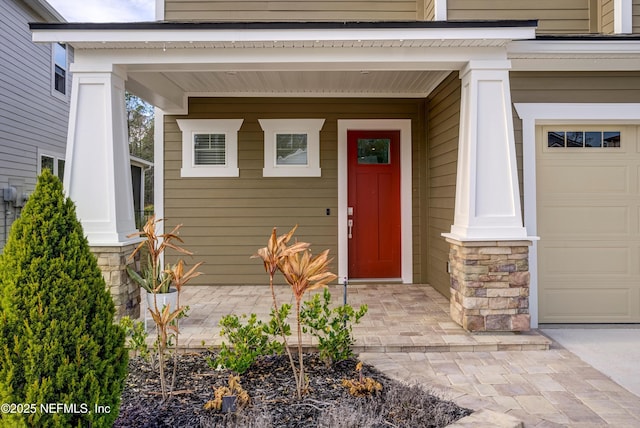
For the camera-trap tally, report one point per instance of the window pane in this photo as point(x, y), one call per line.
point(46, 162)
point(593, 139)
point(291, 149)
point(60, 55)
point(60, 80)
point(373, 151)
point(209, 149)
point(60, 67)
point(611, 139)
point(555, 139)
point(61, 169)
point(575, 139)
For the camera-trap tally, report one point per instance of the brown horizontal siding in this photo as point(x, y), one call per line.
point(635, 11)
point(227, 219)
point(289, 10)
point(575, 87)
point(555, 16)
point(442, 138)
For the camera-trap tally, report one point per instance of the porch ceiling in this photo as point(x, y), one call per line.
point(282, 83)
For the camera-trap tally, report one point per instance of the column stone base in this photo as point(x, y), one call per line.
point(490, 285)
point(113, 262)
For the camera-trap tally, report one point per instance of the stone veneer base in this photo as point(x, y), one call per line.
point(490, 285)
point(113, 262)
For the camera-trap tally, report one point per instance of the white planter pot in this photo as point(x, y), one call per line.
point(163, 299)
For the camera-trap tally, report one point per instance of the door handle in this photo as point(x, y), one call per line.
point(350, 224)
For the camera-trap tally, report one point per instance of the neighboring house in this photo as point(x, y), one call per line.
point(139, 168)
point(34, 104)
point(421, 141)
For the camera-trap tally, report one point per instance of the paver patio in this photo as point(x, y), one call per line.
point(408, 335)
point(401, 318)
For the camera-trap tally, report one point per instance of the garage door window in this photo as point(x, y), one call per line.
point(582, 139)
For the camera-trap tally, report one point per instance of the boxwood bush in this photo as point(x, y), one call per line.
point(60, 352)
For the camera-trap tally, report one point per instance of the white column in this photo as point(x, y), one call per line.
point(487, 193)
point(622, 16)
point(97, 173)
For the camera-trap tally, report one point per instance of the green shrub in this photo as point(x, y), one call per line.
point(136, 335)
point(332, 327)
point(58, 341)
point(250, 339)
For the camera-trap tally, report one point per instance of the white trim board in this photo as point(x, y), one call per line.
point(622, 16)
point(158, 172)
point(404, 126)
point(534, 114)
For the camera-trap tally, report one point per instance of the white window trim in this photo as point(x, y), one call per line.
point(534, 114)
point(67, 86)
point(228, 127)
point(273, 127)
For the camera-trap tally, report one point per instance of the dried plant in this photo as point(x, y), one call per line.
point(160, 281)
point(305, 272)
point(155, 279)
point(178, 279)
point(233, 389)
point(273, 256)
point(363, 386)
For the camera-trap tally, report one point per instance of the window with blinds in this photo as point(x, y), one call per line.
point(209, 149)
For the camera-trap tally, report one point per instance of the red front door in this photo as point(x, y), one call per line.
point(374, 204)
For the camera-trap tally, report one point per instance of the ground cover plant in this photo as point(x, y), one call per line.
point(58, 342)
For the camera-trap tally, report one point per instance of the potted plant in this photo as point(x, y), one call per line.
point(163, 286)
point(157, 281)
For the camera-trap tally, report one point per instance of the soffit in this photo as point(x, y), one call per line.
point(297, 83)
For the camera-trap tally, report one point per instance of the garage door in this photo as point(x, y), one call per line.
point(588, 184)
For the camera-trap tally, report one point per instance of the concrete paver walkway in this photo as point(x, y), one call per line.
point(551, 388)
point(401, 318)
point(409, 335)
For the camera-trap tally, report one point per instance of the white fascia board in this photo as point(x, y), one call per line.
point(552, 113)
point(575, 64)
point(270, 35)
point(574, 55)
point(285, 59)
point(530, 48)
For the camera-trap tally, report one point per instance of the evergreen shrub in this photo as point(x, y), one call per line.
point(60, 352)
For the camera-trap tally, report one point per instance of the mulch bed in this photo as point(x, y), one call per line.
point(271, 387)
